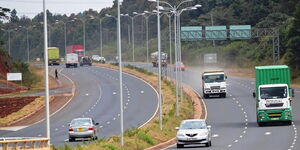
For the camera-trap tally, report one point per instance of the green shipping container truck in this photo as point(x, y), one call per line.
point(273, 94)
point(53, 56)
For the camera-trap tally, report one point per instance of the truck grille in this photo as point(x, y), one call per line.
point(274, 115)
point(215, 87)
point(274, 105)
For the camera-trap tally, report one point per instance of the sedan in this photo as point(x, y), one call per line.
point(193, 131)
point(179, 66)
point(83, 128)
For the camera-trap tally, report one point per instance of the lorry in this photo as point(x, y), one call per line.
point(154, 59)
point(71, 60)
point(53, 56)
point(210, 58)
point(273, 94)
point(78, 49)
point(214, 83)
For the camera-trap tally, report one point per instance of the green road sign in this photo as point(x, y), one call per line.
point(240, 32)
point(215, 33)
point(191, 33)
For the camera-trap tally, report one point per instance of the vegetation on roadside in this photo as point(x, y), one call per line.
point(150, 134)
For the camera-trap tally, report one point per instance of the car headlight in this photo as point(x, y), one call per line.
point(180, 134)
point(203, 134)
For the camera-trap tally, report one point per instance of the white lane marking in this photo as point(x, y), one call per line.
point(142, 92)
point(87, 94)
point(101, 127)
point(15, 128)
point(229, 145)
point(215, 135)
point(268, 133)
point(114, 93)
point(56, 129)
point(236, 141)
point(241, 136)
point(108, 122)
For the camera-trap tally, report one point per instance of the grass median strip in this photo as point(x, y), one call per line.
point(150, 134)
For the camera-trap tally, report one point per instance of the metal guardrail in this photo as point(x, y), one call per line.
point(24, 143)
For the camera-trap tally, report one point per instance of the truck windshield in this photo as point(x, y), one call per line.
point(214, 78)
point(273, 92)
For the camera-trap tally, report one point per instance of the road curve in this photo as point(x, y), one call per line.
point(97, 96)
point(233, 119)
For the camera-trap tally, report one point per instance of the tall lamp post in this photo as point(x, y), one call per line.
point(147, 32)
point(175, 10)
point(46, 74)
point(132, 29)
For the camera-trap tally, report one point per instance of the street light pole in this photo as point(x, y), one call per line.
point(9, 42)
point(100, 32)
point(65, 28)
point(83, 26)
point(27, 41)
point(120, 73)
point(46, 74)
point(132, 28)
point(159, 65)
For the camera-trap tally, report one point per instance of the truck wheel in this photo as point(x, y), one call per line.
point(289, 122)
point(205, 95)
point(260, 124)
point(224, 95)
point(67, 66)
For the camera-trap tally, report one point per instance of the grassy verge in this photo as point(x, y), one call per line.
point(150, 134)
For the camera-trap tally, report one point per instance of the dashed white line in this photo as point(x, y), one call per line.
point(268, 133)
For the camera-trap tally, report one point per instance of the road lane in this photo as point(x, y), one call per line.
point(233, 119)
point(97, 96)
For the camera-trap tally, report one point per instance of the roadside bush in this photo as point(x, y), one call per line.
point(28, 77)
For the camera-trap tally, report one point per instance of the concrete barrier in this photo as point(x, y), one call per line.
point(21, 143)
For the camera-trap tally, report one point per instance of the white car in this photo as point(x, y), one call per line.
point(193, 131)
point(83, 128)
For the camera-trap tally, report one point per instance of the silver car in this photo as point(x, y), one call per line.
point(83, 128)
point(193, 131)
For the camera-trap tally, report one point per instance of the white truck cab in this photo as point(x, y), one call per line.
point(214, 83)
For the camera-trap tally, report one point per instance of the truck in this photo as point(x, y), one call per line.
point(214, 83)
point(78, 49)
point(273, 94)
point(154, 59)
point(53, 56)
point(71, 60)
point(210, 58)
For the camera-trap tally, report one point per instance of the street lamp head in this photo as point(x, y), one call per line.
point(160, 7)
point(107, 15)
point(135, 13)
point(146, 12)
point(193, 8)
point(151, 0)
point(198, 5)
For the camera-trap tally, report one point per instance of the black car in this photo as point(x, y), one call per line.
point(85, 61)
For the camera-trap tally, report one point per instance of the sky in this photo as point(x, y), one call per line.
point(30, 8)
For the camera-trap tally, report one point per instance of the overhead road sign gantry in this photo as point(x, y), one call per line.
point(191, 33)
point(215, 33)
point(239, 32)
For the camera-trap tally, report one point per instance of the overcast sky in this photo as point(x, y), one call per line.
point(31, 8)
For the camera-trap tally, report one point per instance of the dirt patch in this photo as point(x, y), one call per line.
point(11, 105)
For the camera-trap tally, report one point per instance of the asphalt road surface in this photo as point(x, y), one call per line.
point(233, 119)
point(97, 96)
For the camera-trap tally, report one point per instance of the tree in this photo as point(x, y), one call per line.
point(293, 44)
point(3, 13)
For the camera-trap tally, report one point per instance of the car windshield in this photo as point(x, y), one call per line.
point(273, 92)
point(80, 122)
point(193, 125)
point(214, 78)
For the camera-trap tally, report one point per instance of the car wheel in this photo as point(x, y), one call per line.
point(208, 144)
point(180, 145)
point(71, 139)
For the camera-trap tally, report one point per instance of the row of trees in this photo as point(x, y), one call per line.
point(280, 14)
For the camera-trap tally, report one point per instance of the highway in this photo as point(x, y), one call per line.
point(97, 96)
point(233, 119)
